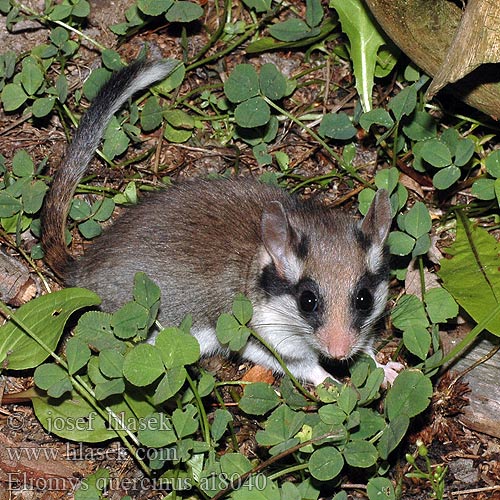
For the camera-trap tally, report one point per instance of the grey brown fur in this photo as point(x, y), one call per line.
point(316, 277)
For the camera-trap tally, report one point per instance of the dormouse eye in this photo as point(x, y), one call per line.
point(364, 300)
point(308, 302)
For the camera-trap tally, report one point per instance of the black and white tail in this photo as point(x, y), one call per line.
point(111, 97)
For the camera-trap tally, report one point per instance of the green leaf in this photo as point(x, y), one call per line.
point(258, 398)
point(151, 116)
point(109, 388)
point(387, 179)
point(111, 59)
point(404, 103)
point(380, 488)
point(154, 7)
point(376, 116)
point(242, 84)
point(94, 82)
point(183, 12)
point(422, 127)
point(45, 316)
point(464, 152)
point(90, 229)
point(175, 135)
point(94, 328)
point(291, 30)
point(258, 5)
point(170, 384)
point(242, 309)
point(446, 177)
point(282, 424)
point(185, 421)
point(33, 196)
point(272, 82)
point(400, 243)
point(252, 113)
point(409, 395)
point(31, 78)
point(177, 348)
point(484, 189)
point(230, 333)
point(43, 106)
point(392, 435)
point(409, 313)
point(111, 363)
point(314, 12)
point(116, 140)
point(472, 275)
point(418, 220)
point(79, 209)
point(493, 163)
point(359, 453)
point(48, 374)
point(326, 463)
point(174, 79)
point(436, 153)
point(129, 320)
point(103, 209)
point(440, 305)
point(13, 96)
point(348, 398)
point(22, 164)
point(156, 431)
point(77, 354)
point(337, 126)
point(422, 245)
point(143, 365)
point(417, 340)
point(365, 41)
point(219, 425)
point(81, 9)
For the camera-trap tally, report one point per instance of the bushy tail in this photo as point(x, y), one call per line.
point(119, 88)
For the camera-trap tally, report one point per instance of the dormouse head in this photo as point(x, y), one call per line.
point(324, 276)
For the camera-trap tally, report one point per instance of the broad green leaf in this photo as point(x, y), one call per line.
point(326, 463)
point(436, 153)
point(422, 127)
point(409, 313)
point(146, 291)
point(380, 488)
point(177, 348)
point(94, 328)
point(387, 179)
point(43, 106)
point(170, 384)
point(94, 82)
point(418, 220)
point(258, 5)
point(81, 8)
point(400, 243)
point(358, 453)
point(90, 229)
point(377, 116)
point(446, 177)
point(282, 424)
point(45, 316)
point(111, 363)
point(242, 309)
point(220, 422)
point(185, 421)
point(409, 395)
point(292, 30)
point(484, 189)
point(404, 102)
point(493, 163)
point(22, 164)
point(49, 374)
point(337, 126)
point(348, 399)
point(108, 388)
point(143, 365)
point(175, 135)
point(77, 354)
point(13, 96)
point(365, 41)
point(252, 113)
point(154, 7)
point(156, 431)
point(31, 78)
point(392, 435)
point(272, 82)
point(464, 152)
point(417, 340)
point(183, 12)
point(73, 418)
point(33, 196)
point(242, 84)
point(314, 12)
point(257, 487)
point(103, 209)
point(258, 399)
point(440, 305)
point(116, 140)
point(129, 320)
point(79, 209)
point(151, 116)
point(179, 119)
point(111, 59)
point(472, 273)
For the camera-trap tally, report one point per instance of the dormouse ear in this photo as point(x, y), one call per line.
point(278, 236)
point(377, 221)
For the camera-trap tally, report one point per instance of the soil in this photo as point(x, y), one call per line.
point(35, 464)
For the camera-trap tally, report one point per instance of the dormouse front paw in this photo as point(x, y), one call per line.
point(391, 371)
